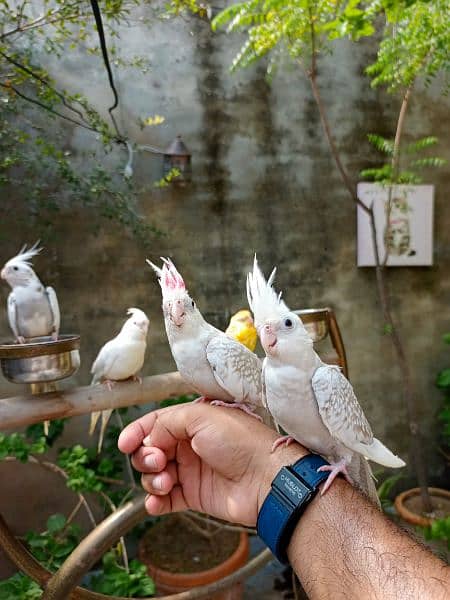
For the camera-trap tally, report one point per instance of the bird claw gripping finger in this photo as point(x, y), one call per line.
point(335, 469)
point(285, 439)
point(21, 339)
point(137, 378)
point(240, 405)
point(55, 336)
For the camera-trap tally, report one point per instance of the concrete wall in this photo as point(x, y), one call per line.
point(263, 181)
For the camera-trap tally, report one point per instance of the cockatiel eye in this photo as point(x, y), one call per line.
point(16, 268)
point(288, 323)
point(193, 304)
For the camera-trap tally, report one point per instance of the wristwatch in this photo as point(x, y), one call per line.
point(292, 490)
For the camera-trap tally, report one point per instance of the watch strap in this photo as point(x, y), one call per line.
point(291, 491)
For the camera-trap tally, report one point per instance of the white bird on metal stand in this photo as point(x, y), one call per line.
point(33, 309)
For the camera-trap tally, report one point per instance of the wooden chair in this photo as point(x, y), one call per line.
point(320, 324)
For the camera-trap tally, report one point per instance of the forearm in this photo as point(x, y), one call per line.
point(344, 547)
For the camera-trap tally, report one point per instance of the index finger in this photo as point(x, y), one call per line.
point(164, 435)
point(133, 435)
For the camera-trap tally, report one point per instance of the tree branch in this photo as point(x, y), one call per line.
point(382, 288)
point(45, 20)
point(395, 165)
point(34, 75)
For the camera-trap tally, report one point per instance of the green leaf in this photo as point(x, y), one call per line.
point(421, 144)
point(443, 379)
point(428, 162)
point(381, 143)
point(56, 523)
point(446, 338)
point(115, 580)
point(19, 587)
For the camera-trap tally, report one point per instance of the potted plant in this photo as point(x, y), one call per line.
point(185, 550)
point(408, 504)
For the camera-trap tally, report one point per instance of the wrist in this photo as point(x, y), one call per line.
point(283, 456)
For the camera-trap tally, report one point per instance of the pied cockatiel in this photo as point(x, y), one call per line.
point(33, 309)
point(119, 359)
point(217, 366)
point(313, 402)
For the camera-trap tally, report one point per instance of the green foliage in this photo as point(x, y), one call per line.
point(17, 445)
point(54, 545)
point(33, 157)
point(178, 400)
point(438, 530)
point(36, 432)
point(19, 587)
point(443, 382)
point(297, 27)
point(116, 580)
point(384, 491)
point(81, 478)
point(416, 39)
point(386, 174)
point(169, 178)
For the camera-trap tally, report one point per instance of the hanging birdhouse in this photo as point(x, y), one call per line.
point(177, 163)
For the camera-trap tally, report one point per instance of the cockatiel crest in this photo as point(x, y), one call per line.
point(263, 300)
point(170, 280)
point(22, 259)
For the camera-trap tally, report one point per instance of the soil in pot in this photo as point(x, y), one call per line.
point(179, 557)
point(441, 506)
point(409, 506)
point(174, 545)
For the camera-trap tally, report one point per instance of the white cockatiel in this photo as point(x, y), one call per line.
point(33, 309)
point(119, 359)
point(217, 366)
point(313, 402)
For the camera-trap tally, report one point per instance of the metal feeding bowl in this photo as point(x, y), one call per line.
point(41, 361)
point(315, 321)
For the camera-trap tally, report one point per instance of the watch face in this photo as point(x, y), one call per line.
point(290, 489)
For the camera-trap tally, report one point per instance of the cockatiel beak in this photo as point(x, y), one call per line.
point(177, 312)
point(143, 327)
point(3, 273)
point(268, 337)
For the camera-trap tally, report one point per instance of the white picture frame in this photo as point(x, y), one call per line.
point(411, 230)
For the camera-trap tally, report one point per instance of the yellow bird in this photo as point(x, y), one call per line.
point(242, 329)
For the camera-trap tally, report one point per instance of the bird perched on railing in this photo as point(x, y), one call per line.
point(119, 359)
point(218, 367)
point(313, 402)
point(242, 329)
point(33, 309)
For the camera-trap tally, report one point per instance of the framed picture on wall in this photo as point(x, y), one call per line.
point(409, 237)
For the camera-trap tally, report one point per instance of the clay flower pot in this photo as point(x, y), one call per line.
point(169, 582)
point(408, 504)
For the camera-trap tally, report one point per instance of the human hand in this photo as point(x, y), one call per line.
point(205, 458)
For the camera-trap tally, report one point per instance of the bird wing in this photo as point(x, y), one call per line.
point(339, 408)
point(236, 369)
point(54, 306)
point(105, 360)
point(12, 315)
point(263, 385)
